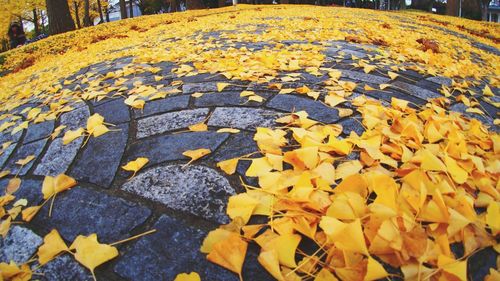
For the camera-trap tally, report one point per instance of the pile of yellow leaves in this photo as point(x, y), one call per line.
point(425, 179)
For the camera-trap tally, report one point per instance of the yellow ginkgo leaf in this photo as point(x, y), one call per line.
point(228, 130)
point(430, 162)
point(99, 130)
point(52, 246)
point(29, 213)
point(13, 185)
point(229, 253)
point(325, 275)
point(4, 173)
point(269, 260)
point(135, 165)
point(374, 270)
point(90, 253)
point(228, 166)
point(241, 205)
point(221, 86)
point(286, 91)
point(285, 246)
point(25, 160)
point(369, 68)
point(196, 154)
point(70, 135)
point(193, 276)
point(199, 127)
point(368, 88)
point(197, 95)
point(247, 93)
point(5, 226)
point(392, 75)
point(95, 120)
point(54, 185)
point(487, 91)
point(384, 86)
point(213, 237)
point(256, 98)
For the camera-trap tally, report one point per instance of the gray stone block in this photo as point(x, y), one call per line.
point(114, 112)
point(165, 122)
point(242, 117)
point(38, 131)
point(19, 245)
point(34, 148)
point(315, 109)
point(163, 105)
point(58, 157)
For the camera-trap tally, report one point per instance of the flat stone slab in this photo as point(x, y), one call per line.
point(416, 91)
point(242, 117)
point(30, 190)
point(114, 112)
point(170, 147)
point(75, 119)
point(63, 268)
point(237, 145)
point(58, 157)
point(19, 245)
point(158, 124)
point(174, 248)
point(190, 88)
point(352, 125)
point(163, 105)
point(363, 77)
point(85, 211)
point(315, 109)
point(195, 189)
point(227, 98)
point(6, 153)
point(440, 80)
point(101, 157)
point(38, 131)
point(34, 148)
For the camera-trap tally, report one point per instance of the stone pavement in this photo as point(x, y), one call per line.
point(181, 204)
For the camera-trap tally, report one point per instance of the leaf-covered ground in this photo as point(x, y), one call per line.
point(253, 142)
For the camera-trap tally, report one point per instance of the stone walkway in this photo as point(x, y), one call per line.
point(181, 204)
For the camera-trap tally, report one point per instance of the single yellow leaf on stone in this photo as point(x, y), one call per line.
point(256, 98)
point(344, 112)
point(52, 246)
point(29, 213)
point(487, 91)
point(474, 110)
point(90, 253)
point(20, 127)
point(229, 253)
point(286, 91)
point(99, 130)
point(95, 120)
point(228, 130)
point(4, 173)
point(53, 185)
point(368, 88)
point(5, 226)
point(26, 160)
point(136, 165)
point(199, 127)
point(193, 276)
point(374, 270)
point(221, 86)
point(158, 78)
point(393, 75)
point(241, 205)
point(384, 86)
point(197, 95)
point(369, 68)
point(247, 93)
point(258, 167)
point(70, 136)
point(196, 154)
point(269, 260)
point(334, 100)
point(228, 166)
point(13, 185)
point(399, 103)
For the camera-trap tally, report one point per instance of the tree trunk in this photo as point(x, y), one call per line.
point(452, 7)
point(35, 22)
point(99, 7)
point(106, 11)
point(123, 9)
point(77, 15)
point(86, 13)
point(131, 8)
point(194, 4)
point(484, 9)
point(59, 16)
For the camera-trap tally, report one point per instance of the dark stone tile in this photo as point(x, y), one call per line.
point(352, 124)
point(388, 94)
point(84, 211)
point(39, 131)
point(63, 268)
point(75, 119)
point(360, 76)
point(19, 245)
point(315, 109)
point(203, 77)
point(170, 147)
point(237, 145)
point(479, 264)
point(163, 105)
point(101, 157)
point(428, 85)
point(114, 112)
point(34, 148)
point(58, 157)
point(227, 98)
point(6, 153)
point(175, 248)
point(416, 91)
point(30, 190)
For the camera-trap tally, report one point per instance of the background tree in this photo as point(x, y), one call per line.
point(123, 9)
point(59, 16)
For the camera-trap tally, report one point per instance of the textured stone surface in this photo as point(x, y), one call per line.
point(58, 157)
point(6, 136)
point(34, 148)
point(6, 153)
point(363, 77)
point(352, 125)
point(175, 248)
point(169, 121)
point(171, 147)
point(19, 245)
point(196, 189)
point(64, 268)
point(38, 131)
point(163, 105)
point(242, 118)
point(415, 90)
point(316, 110)
point(226, 98)
point(114, 112)
point(101, 157)
point(85, 211)
point(479, 264)
point(440, 80)
point(237, 145)
point(190, 88)
point(75, 119)
point(30, 190)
